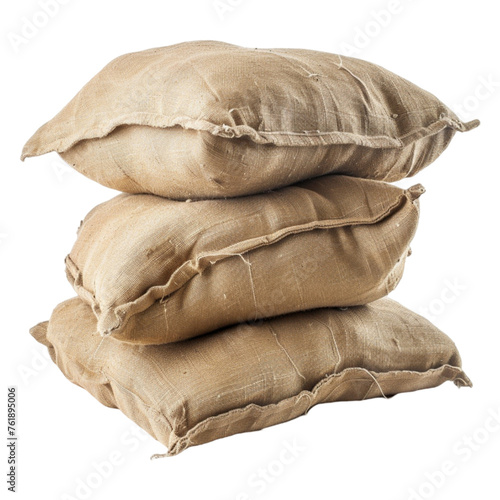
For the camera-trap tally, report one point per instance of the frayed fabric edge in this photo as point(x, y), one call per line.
point(36, 147)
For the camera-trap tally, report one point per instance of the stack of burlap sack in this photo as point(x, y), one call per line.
point(241, 278)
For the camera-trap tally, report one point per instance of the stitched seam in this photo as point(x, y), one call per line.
point(224, 254)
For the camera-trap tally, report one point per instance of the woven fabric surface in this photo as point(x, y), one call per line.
point(248, 377)
point(156, 270)
point(211, 119)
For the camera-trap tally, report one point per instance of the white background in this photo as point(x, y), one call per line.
point(373, 449)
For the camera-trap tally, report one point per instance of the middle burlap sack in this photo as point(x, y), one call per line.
point(156, 270)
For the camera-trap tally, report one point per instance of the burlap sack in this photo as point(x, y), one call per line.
point(156, 270)
point(210, 119)
point(249, 377)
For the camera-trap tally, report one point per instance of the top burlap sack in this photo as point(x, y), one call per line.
point(210, 119)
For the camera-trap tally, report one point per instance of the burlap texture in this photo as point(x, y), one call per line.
point(156, 270)
point(210, 119)
point(248, 377)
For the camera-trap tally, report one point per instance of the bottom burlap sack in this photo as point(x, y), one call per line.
point(251, 376)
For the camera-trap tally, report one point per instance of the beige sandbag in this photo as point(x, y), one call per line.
point(156, 270)
point(249, 377)
point(210, 119)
